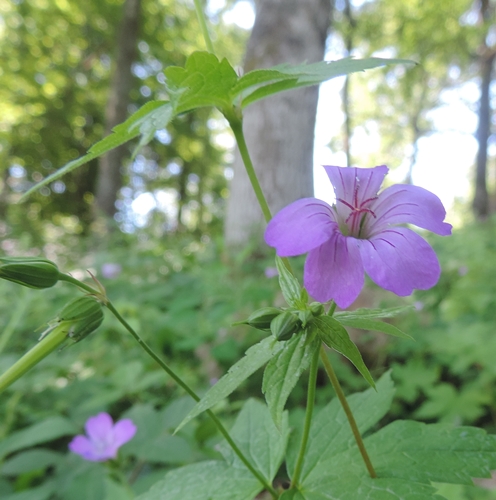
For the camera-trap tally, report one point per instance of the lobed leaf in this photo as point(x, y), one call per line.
point(334, 335)
point(284, 370)
point(255, 357)
point(375, 325)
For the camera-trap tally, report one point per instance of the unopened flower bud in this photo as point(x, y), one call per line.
point(305, 317)
point(284, 325)
point(317, 308)
point(261, 318)
point(32, 272)
point(81, 316)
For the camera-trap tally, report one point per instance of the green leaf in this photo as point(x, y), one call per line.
point(258, 438)
point(154, 115)
point(290, 287)
point(375, 325)
point(406, 455)
point(43, 492)
point(30, 460)
point(48, 430)
point(365, 313)
point(258, 84)
point(212, 480)
point(334, 335)
point(255, 357)
point(204, 81)
point(284, 370)
point(331, 433)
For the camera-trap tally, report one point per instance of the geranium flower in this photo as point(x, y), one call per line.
point(103, 438)
point(359, 233)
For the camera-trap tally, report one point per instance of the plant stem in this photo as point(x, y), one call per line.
point(312, 381)
point(203, 26)
point(179, 381)
point(237, 128)
point(346, 407)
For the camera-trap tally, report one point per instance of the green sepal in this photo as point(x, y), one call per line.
point(261, 318)
point(32, 272)
point(290, 287)
point(285, 325)
point(81, 316)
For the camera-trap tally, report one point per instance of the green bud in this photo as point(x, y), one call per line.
point(317, 308)
point(32, 272)
point(284, 325)
point(305, 317)
point(81, 317)
point(261, 319)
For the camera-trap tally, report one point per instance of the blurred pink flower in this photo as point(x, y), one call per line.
point(103, 438)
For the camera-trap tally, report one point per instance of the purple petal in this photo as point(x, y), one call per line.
point(300, 227)
point(124, 431)
point(99, 428)
point(81, 445)
point(401, 204)
point(335, 271)
point(399, 260)
point(355, 185)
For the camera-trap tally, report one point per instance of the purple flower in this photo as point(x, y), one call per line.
point(103, 438)
point(359, 233)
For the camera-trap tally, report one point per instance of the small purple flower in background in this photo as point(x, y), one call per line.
point(111, 270)
point(359, 233)
point(270, 272)
point(103, 438)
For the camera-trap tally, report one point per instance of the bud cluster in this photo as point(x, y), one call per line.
point(284, 323)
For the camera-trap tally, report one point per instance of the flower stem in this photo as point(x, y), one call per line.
point(203, 26)
point(349, 415)
point(312, 381)
point(237, 128)
point(179, 381)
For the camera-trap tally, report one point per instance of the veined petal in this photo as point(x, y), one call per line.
point(334, 270)
point(399, 260)
point(355, 186)
point(98, 428)
point(124, 431)
point(401, 204)
point(300, 227)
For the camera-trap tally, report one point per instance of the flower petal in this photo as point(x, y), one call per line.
point(399, 260)
point(335, 271)
point(124, 431)
point(81, 445)
point(99, 428)
point(355, 185)
point(300, 227)
point(401, 204)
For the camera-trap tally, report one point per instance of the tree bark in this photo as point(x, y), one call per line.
point(279, 130)
point(110, 169)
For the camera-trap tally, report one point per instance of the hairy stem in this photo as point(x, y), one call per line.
point(346, 407)
point(203, 26)
point(312, 381)
point(179, 381)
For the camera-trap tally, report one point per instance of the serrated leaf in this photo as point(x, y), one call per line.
point(204, 81)
point(258, 438)
point(212, 480)
point(47, 430)
point(331, 433)
point(334, 335)
point(255, 357)
point(258, 84)
point(284, 370)
point(153, 113)
point(373, 324)
point(290, 287)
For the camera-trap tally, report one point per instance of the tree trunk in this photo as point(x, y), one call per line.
point(481, 199)
point(279, 130)
point(110, 176)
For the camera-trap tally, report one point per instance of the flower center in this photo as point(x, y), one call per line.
point(356, 219)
